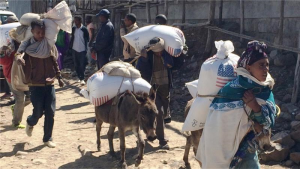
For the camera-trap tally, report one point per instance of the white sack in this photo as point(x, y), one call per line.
point(51, 31)
point(18, 77)
point(215, 72)
point(27, 18)
point(173, 37)
point(4, 32)
point(102, 87)
point(119, 68)
point(192, 87)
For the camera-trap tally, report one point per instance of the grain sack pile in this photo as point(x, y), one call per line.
point(215, 72)
point(113, 78)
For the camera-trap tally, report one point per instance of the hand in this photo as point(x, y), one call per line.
point(61, 83)
point(250, 101)
point(21, 61)
point(144, 53)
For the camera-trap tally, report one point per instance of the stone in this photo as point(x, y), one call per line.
point(38, 161)
point(278, 102)
point(284, 139)
point(273, 54)
point(289, 163)
point(164, 161)
point(287, 98)
point(289, 107)
point(19, 153)
point(279, 154)
point(295, 125)
point(285, 60)
point(297, 117)
point(284, 117)
point(295, 157)
point(296, 135)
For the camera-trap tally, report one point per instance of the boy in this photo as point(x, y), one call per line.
point(40, 69)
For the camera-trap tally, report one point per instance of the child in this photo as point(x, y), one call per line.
point(40, 69)
point(226, 129)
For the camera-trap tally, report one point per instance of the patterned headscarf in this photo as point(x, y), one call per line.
point(254, 52)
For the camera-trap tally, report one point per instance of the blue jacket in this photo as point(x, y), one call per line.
point(85, 36)
point(105, 38)
point(145, 65)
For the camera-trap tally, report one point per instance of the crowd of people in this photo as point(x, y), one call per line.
point(91, 47)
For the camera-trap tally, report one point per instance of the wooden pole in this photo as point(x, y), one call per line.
point(280, 38)
point(148, 12)
point(166, 8)
point(212, 5)
point(183, 13)
point(296, 87)
point(220, 12)
point(242, 18)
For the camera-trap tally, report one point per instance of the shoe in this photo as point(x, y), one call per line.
point(164, 147)
point(168, 120)
point(82, 82)
point(19, 126)
point(50, 144)
point(6, 96)
point(78, 81)
point(12, 107)
point(29, 130)
point(74, 74)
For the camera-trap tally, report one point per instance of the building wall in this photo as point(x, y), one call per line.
point(19, 7)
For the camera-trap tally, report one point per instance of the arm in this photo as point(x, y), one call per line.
point(168, 59)
point(57, 72)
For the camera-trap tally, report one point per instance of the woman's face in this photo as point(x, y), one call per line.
point(259, 69)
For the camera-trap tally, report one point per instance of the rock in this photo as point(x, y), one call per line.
point(296, 135)
point(284, 139)
point(279, 154)
point(289, 163)
point(273, 54)
point(164, 161)
point(39, 161)
point(295, 125)
point(285, 60)
point(295, 157)
point(284, 117)
point(287, 98)
point(289, 107)
point(278, 102)
point(19, 153)
point(297, 117)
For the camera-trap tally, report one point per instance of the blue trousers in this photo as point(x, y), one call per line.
point(80, 61)
point(43, 101)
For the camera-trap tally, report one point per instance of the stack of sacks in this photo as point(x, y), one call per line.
point(114, 77)
point(215, 73)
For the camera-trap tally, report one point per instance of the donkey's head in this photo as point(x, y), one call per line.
point(263, 137)
point(147, 112)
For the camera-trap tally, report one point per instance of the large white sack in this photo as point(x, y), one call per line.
point(173, 37)
point(119, 68)
point(102, 87)
point(27, 18)
point(192, 87)
point(62, 16)
point(4, 32)
point(214, 74)
point(51, 31)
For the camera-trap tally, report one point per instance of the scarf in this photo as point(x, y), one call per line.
point(254, 52)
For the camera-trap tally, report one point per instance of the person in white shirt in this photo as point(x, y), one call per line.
point(78, 44)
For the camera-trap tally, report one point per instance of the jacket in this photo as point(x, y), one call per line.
point(128, 50)
point(37, 70)
point(6, 63)
point(86, 37)
point(105, 38)
point(145, 65)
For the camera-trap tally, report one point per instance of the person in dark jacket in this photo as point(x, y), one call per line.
point(161, 19)
point(105, 39)
point(79, 42)
point(156, 67)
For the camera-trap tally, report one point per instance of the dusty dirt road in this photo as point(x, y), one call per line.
point(75, 136)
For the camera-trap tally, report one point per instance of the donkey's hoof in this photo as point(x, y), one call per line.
point(99, 149)
point(138, 161)
point(124, 165)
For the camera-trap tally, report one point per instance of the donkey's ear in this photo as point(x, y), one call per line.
point(152, 93)
point(138, 99)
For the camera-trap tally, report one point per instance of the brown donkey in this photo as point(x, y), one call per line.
point(193, 138)
point(129, 113)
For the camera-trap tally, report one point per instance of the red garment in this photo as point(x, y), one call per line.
point(6, 63)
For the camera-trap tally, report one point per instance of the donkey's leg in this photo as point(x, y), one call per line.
point(122, 147)
point(98, 130)
point(110, 136)
point(141, 146)
point(187, 150)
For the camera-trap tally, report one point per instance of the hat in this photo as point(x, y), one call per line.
point(158, 46)
point(12, 19)
point(103, 12)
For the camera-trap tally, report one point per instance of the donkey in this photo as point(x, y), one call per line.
point(129, 113)
point(193, 138)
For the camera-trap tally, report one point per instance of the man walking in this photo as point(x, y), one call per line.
point(105, 39)
point(128, 26)
point(79, 41)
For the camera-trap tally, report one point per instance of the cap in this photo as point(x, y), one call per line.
point(103, 12)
